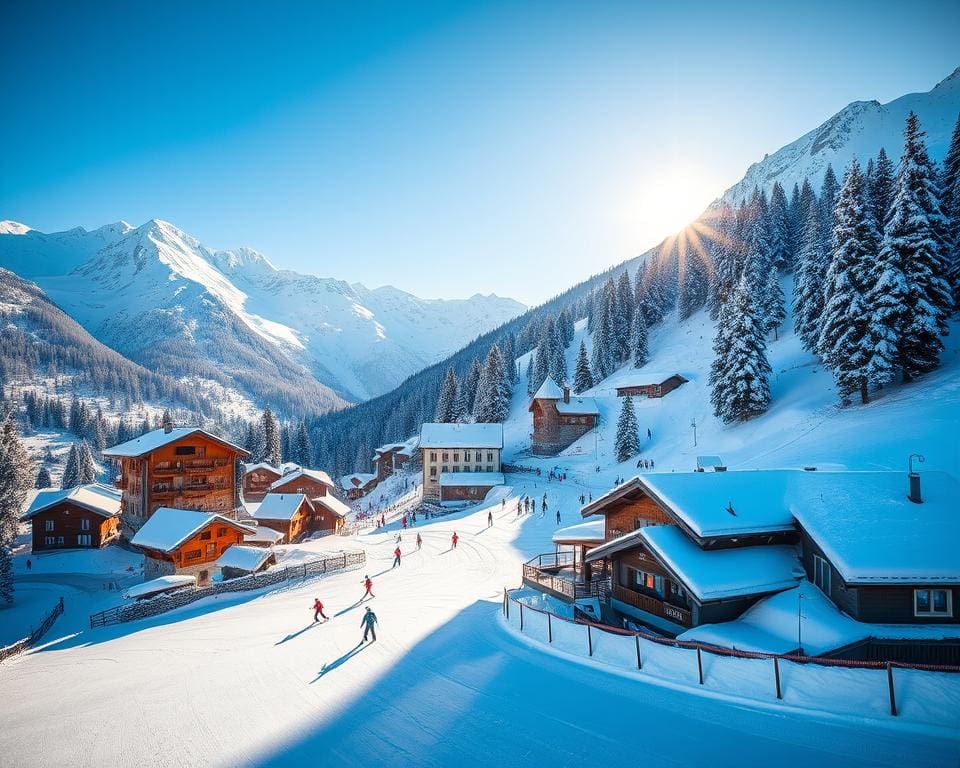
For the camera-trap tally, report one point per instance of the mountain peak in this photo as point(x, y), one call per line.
point(950, 81)
point(9, 227)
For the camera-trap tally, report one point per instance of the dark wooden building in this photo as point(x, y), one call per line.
point(468, 486)
point(181, 468)
point(357, 485)
point(559, 419)
point(257, 479)
point(289, 513)
point(310, 482)
point(85, 517)
point(653, 385)
point(243, 560)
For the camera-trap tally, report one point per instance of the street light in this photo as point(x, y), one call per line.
point(693, 423)
point(798, 573)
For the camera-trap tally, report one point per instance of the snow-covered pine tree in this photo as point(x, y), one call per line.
point(43, 478)
point(910, 299)
point(565, 320)
point(544, 355)
point(271, 438)
point(845, 342)
point(508, 349)
point(627, 441)
point(809, 279)
point(472, 382)
point(772, 308)
point(86, 467)
point(880, 191)
point(582, 379)
point(623, 316)
point(302, 449)
point(950, 204)
point(793, 226)
point(639, 341)
point(828, 199)
point(602, 357)
point(493, 403)
point(531, 376)
point(443, 414)
point(779, 229)
point(15, 475)
point(739, 374)
point(759, 268)
point(694, 281)
point(460, 412)
point(71, 470)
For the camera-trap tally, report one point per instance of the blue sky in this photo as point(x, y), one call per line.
point(443, 148)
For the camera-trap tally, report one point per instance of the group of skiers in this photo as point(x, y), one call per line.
point(645, 464)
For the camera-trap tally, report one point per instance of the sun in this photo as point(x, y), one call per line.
point(670, 198)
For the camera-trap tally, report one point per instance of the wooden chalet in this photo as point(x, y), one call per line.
point(181, 468)
point(651, 385)
point(243, 560)
point(357, 485)
point(310, 482)
point(329, 513)
point(257, 479)
point(559, 419)
point(457, 448)
point(388, 458)
point(288, 513)
point(85, 517)
point(468, 486)
point(186, 541)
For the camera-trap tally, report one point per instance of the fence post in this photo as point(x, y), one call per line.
point(637, 638)
point(776, 674)
point(549, 629)
point(521, 617)
point(700, 665)
point(893, 697)
point(589, 640)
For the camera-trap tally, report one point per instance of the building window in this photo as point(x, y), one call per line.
point(221, 532)
point(433, 455)
point(489, 468)
point(205, 535)
point(193, 554)
point(84, 539)
point(489, 456)
point(85, 524)
point(456, 457)
point(48, 540)
point(211, 549)
point(821, 574)
point(446, 457)
point(444, 468)
point(185, 450)
point(456, 468)
point(648, 582)
point(59, 539)
point(932, 602)
point(478, 468)
point(48, 525)
point(433, 471)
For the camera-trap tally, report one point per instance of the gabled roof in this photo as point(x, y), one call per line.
point(158, 438)
point(598, 505)
point(333, 504)
point(641, 377)
point(314, 474)
point(168, 528)
point(356, 480)
point(590, 531)
point(262, 533)
point(161, 584)
point(264, 465)
point(578, 406)
point(279, 506)
point(244, 558)
point(462, 479)
point(549, 390)
point(461, 436)
point(100, 499)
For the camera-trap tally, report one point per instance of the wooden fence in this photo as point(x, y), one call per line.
point(167, 602)
point(21, 645)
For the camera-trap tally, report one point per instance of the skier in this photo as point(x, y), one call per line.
point(639, 463)
point(503, 504)
point(396, 557)
point(29, 565)
point(453, 540)
point(651, 463)
point(404, 522)
point(533, 504)
point(318, 610)
point(368, 622)
point(419, 541)
point(558, 516)
point(369, 586)
point(649, 433)
point(489, 519)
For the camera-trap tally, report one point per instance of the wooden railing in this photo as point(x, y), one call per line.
point(657, 607)
point(540, 573)
point(35, 635)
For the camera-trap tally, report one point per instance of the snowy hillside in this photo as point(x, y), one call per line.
point(859, 130)
point(159, 296)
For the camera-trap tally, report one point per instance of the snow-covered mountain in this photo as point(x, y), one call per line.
point(860, 130)
point(159, 296)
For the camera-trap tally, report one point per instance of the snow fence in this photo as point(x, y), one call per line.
point(922, 694)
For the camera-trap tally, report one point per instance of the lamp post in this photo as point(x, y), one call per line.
point(693, 423)
point(799, 574)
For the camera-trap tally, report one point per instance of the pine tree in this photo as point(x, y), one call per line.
point(271, 438)
point(622, 316)
point(602, 356)
point(950, 204)
point(911, 299)
point(880, 191)
point(828, 199)
point(808, 283)
point(43, 478)
point(639, 341)
point(302, 449)
point(582, 380)
point(558, 357)
point(845, 343)
point(448, 393)
point(531, 376)
point(71, 472)
point(772, 308)
point(694, 281)
point(86, 466)
point(15, 474)
point(493, 402)
point(627, 441)
point(779, 229)
point(794, 220)
point(460, 412)
point(739, 375)
point(472, 382)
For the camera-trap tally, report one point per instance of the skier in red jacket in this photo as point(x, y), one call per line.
point(318, 610)
point(396, 557)
point(369, 585)
point(453, 540)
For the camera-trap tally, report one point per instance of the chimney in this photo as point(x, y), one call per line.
point(566, 393)
point(167, 422)
point(915, 496)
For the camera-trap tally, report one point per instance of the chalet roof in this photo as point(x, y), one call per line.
point(162, 584)
point(598, 505)
point(619, 544)
point(717, 574)
point(244, 558)
point(279, 506)
point(168, 528)
point(333, 504)
point(872, 533)
point(578, 406)
point(265, 465)
point(100, 499)
point(314, 474)
point(158, 438)
point(410, 447)
point(590, 531)
point(642, 377)
point(264, 534)
point(461, 436)
point(466, 479)
point(549, 390)
point(356, 480)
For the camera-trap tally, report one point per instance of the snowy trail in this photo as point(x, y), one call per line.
point(249, 680)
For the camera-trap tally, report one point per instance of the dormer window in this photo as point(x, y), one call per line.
point(932, 603)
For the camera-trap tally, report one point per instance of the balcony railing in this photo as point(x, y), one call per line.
point(653, 605)
point(194, 465)
point(542, 572)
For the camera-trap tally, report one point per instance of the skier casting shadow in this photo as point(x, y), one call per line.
point(337, 662)
point(296, 634)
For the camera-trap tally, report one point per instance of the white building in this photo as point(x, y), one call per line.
point(458, 448)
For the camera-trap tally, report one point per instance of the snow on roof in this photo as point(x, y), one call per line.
point(871, 531)
point(411, 446)
point(726, 503)
point(461, 436)
point(315, 474)
point(596, 506)
point(632, 377)
point(549, 390)
point(159, 438)
point(619, 544)
point(770, 626)
point(280, 506)
point(709, 461)
point(333, 504)
point(262, 465)
point(592, 530)
point(584, 406)
point(100, 499)
point(263, 534)
point(244, 558)
point(162, 584)
point(168, 528)
point(459, 479)
point(356, 480)
point(722, 573)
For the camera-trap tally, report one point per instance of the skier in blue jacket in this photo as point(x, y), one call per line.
point(368, 623)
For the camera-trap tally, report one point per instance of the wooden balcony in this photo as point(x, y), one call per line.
point(556, 574)
point(653, 605)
